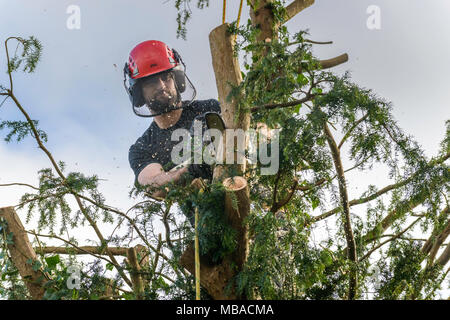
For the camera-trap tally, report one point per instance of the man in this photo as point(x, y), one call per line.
point(159, 88)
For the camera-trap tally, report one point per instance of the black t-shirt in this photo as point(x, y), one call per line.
point(155, 145)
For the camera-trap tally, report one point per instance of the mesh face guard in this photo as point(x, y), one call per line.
point(162, 101)
point(186, 92)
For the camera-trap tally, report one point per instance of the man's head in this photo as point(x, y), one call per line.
point(156, 79)
point(160, 92)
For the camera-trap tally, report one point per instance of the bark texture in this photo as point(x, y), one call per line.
point(21, 251)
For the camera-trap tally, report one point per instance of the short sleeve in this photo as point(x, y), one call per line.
point(212, 105)
point(139, 155)
point(202, 106)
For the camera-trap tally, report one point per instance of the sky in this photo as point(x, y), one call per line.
point(77, 92)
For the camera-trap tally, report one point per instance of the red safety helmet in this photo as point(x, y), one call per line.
point(150, 58)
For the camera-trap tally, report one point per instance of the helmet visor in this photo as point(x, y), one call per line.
point(163, 92)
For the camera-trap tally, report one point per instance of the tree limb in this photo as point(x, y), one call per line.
point(21, 253)
point(378, 193)
point(295, 7)
point(351, 244)
point(18, 184)
point(388, 240)
point(136, 278)
point(445, 256)
point(333, 62)
point(117, 251)
point(307, 98)
point(351, 129)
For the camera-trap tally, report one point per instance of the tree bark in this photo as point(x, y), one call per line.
point(445, 256)
point(296, 6)
point(351, 244)
point(227, 73)
point(136, 278)
point(21, 251)
point(117, 251)
point(216, 279)
point(237, 190)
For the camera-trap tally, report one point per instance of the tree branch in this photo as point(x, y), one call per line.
point(333, 62)
point(295, 7)
point(136, 278)
point(277, 206)
point(18, 184)
point(307, 98)
point(426, 248)
point(61, 175)
point(439, 241)
point(117, 251)
point(445, 256)
point(378, 193)
point(351, 129)
point(388, 240)
point(351, 244)
point(22, 253)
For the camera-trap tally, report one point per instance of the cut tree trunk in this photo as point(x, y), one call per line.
point(22, 252)
point(227, 73)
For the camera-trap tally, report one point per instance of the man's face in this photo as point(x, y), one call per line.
point(159, 91)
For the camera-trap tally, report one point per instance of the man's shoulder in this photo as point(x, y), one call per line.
point(203, 106)
point(144, 139)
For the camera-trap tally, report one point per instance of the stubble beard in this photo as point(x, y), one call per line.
point(163, 102)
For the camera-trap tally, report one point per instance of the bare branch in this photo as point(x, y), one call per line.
point(75, 246)
point(318, 42)
point(117, 251)
point(297, 6)
point(333, 62)
point(18, 184)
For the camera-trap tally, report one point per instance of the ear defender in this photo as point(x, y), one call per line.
point(178, 71)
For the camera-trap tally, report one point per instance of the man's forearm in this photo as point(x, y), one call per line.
point(162, 179)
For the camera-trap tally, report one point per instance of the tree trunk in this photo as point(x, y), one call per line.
point(216, 279)
point(21, 251)
point(227, 72)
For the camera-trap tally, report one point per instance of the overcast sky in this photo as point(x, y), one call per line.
point(77, 93)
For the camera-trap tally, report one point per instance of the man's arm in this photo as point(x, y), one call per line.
point(155, 176)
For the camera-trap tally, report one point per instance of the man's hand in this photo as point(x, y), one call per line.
point(153, 175)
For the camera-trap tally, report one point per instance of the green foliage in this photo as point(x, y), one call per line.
point(21, 129)
point(286, 260)
point(31, 54)
point(184, 14)
point(216, 238)
point(50, 200)
point(400, 275)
